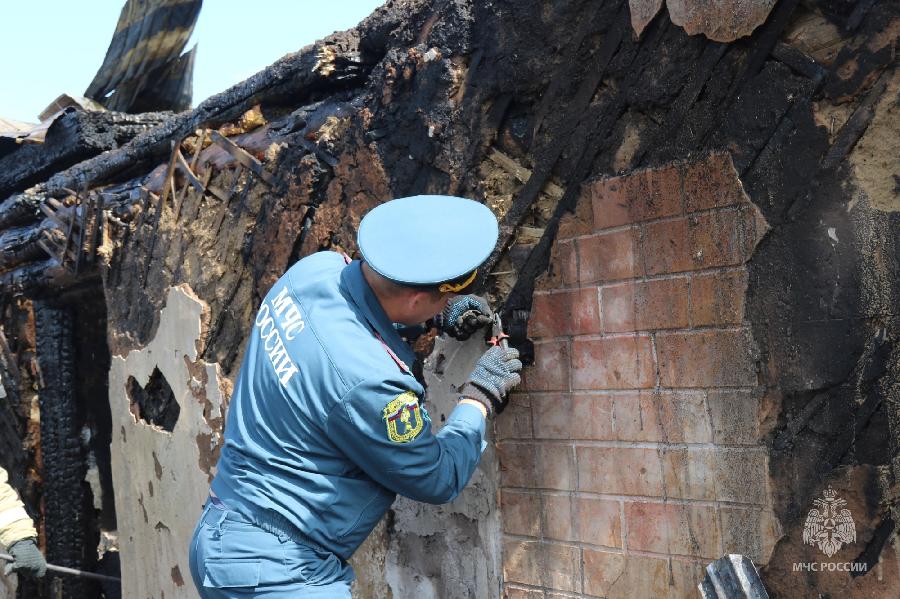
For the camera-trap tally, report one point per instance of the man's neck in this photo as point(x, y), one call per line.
point(383, 299)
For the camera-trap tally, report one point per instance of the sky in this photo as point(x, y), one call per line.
point(50, 47)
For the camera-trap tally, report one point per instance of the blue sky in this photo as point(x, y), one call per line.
point(53, 46)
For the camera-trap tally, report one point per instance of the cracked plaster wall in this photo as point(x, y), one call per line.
point(449, 551)
point(162, 478)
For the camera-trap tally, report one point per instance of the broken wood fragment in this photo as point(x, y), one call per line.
point(521, 173)
point(243, 157)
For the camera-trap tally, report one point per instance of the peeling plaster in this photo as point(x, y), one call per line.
point(876, 157)
point(161, 479)
point(452, 550)
point(718, 20)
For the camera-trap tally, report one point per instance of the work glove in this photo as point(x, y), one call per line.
point(463, 315)
point(495, 374)
point(29, 559)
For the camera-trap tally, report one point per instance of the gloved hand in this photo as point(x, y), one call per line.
point(29, 559)
point(495, 374)
point(464, 315)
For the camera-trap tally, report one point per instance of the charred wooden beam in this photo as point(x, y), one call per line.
point(64, 466)
point(331, 65)
point(21, 245)
point(74, 136)
point(243, 157)
point(21, 208)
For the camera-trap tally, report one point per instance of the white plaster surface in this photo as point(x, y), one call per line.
point(449, 551)
point(7, 583)
point(159, 482)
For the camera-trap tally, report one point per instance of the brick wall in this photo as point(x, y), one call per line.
point(632, 457)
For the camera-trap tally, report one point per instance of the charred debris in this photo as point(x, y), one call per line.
point(514, 103)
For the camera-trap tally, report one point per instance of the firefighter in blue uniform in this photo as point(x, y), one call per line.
point(326, 423)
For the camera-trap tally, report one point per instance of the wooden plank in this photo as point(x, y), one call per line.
point(521, 173)
point(82, 227)
point(206, 184)
point(169, 184)
point(95, 228)
point(50, 251)
point(224, 209)
point(193, 167)
point(54, 216)
point(243, 157)
point(199, 185)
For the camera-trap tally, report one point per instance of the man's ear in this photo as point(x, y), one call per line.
point(419, 297)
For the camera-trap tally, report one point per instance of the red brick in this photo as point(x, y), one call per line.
point(617, 576)
point(555, 467)
point(662, 416)
point(707, 240)
point(611, 203)
point(685, 576)
point(705, 359)
point(644, 195)
point(561, 313)
point(721, 238)
point(689, 473)
point(578, 416)
point(636, 417)
point(520, 593)
point(613, 363)
point(741, 475)
point(679, 529)
point(608, 256)
point(712, 183)
point(550, 371)
point(537, 466)
point(620, 471)
point(518, 463)
point(521, 513)
point(584, 519)
point(663, 195)
point(750, 531)
point(665, 247)
point(581, 222)
point(718, 298)
point(735, 416)
point(636, 306)
point(516, 420)
point(563, 268)
point(549, 565)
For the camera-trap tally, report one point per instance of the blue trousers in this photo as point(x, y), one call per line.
point(230, 557)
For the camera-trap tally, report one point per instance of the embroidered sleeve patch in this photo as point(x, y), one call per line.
point(403, 418)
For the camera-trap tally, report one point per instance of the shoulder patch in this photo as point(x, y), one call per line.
point(403, 417)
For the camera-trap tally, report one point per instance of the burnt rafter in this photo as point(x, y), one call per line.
point(331, 65)
point(192, 181)
point(327, 66)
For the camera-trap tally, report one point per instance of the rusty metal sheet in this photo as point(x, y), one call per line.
point(64, 101)
point(20, 132)
point(149, 38)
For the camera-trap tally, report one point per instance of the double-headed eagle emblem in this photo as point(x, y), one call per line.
point(830, 526)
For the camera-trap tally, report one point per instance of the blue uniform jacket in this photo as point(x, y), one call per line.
point(325, 425)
